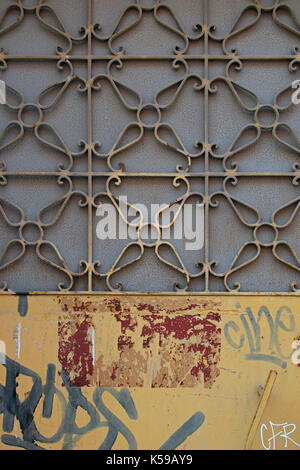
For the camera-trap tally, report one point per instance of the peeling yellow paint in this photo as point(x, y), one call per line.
point(256, 336)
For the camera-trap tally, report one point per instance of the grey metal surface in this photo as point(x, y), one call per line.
point(217, 75)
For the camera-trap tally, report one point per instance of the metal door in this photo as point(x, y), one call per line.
point(170, 105)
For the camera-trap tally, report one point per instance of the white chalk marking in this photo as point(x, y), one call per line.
point(93, 344)
point(295, 357)
point(17, 338)
point(2, 352)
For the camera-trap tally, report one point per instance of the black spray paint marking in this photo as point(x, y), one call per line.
point(252, 334)
point(12, 408)
point(23, 305)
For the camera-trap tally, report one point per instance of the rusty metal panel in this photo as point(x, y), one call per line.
point(222, 371)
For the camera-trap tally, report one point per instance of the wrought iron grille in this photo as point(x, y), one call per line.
point(163, 101)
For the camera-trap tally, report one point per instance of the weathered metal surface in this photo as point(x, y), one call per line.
point(76, 366)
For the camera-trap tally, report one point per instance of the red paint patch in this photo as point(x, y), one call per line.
point(114, 305)
point(124, 342)
point(201, 336)
point(128, 322)
point(159, 342)
point(180, 326)
point(188, 307)
point(75, 349)
point(163, 350)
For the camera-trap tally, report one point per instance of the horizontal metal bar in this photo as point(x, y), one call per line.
point(154, 293)
point(143, 58)
point(150, 175)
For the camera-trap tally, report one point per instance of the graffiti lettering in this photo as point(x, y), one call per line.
point(68, 431)
point(250, 331)
point(284, 431)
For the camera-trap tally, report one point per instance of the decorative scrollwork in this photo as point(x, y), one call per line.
point(104, 59)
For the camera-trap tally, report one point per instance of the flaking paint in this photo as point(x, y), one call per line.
point(126, 329)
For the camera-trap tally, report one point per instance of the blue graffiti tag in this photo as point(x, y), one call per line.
point(252, 333)
point(12, 408)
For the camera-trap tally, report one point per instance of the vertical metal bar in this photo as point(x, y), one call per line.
point(206, 137)
point(90, 155)
point(260, 409)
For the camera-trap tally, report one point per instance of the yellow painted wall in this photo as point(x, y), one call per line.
point(216, 392)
